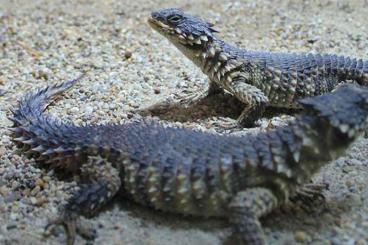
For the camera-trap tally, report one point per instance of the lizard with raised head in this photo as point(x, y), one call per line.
point(256, 78)
point(240, 178)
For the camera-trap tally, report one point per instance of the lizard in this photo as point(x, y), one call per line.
point(184, 171)
point(257, 78)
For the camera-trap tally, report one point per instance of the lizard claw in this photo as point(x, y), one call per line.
point(309, 194)
point(312, 191)
point(72, 225)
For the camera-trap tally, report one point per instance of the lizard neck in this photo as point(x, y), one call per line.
point(215, 58)
point(218, 62)
point(316, 142)
point(296, 152)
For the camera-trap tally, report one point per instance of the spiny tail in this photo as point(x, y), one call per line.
point(346, 68)
point(30, 125)
point(351, 68)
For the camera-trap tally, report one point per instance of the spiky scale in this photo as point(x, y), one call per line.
point(211, 52)
point(197, 41)
point(20, 139)
point(204, 38)
point(39, 149)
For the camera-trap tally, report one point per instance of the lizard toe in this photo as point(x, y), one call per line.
point(226, 123)
point(72, 225)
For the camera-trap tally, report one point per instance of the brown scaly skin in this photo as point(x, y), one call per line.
point(189, 172)
point(258, 79)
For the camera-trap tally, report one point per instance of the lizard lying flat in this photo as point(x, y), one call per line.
point(240, 178)
point(258, 79)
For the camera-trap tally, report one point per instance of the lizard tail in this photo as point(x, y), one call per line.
point(365, 73)
point(30, 126)
point(345, 67)
point(358, 71)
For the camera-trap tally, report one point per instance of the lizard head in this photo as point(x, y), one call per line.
point(345, 109)
point(183, 30)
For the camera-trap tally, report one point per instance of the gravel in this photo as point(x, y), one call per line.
point(129, 66)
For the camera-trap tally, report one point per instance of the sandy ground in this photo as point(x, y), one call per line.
point(43, 42)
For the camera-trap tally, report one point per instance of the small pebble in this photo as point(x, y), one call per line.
point(2, 150)
point(348, 168)
point(157, 90)
point(4, 191)
point(46, 178)
point(133, 104)
point(300, 236)
point(361, 242)
point(128, 54)
point(41, 200)
point(40, 183)
point(349, 183)
point(74, 110)
point(35, 191)
point(33, 200)
point(88, 109)
point(13, 216)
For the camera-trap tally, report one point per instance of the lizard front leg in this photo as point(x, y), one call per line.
point(255, 103)
point(181, 101)
point(101, 183)
point(308, 194)
point(254, 99)
point(245, 210)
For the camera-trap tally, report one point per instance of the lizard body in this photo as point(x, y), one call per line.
point(256, 78)
point(184, 171)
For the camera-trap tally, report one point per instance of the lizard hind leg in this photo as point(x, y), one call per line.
point(255, 102)
point(181, 101)
point(245, 210)
point(101, 183)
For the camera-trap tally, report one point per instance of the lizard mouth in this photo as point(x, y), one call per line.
point(175, 34)
point(159, 26)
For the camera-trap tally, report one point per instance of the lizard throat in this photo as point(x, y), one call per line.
point(210, 57)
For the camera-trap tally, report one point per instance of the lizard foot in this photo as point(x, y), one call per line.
point(72, 225)
point(309, 194)
point(226, 123)
point(192, 98)
point(175, 101)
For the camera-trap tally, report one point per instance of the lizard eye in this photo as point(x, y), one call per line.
point(174, 18)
